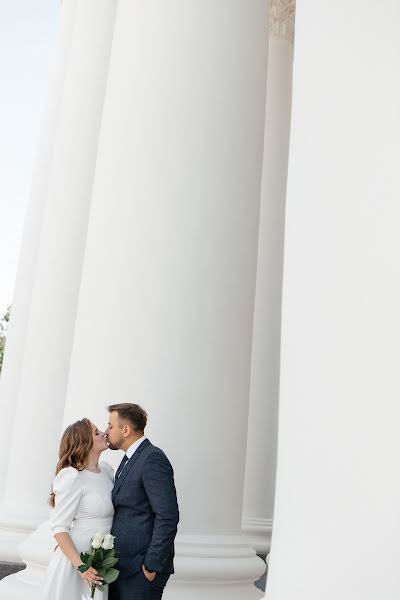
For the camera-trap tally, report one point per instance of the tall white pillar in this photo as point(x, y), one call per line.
point(259, 488)
point(336, 524)
point(13, 529)
point(166, 305)
point(21, 304)
point(52, 312)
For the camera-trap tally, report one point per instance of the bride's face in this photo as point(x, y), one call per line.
point(99, 439)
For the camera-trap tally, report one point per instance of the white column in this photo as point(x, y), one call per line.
point(12, 530)
point(34, 447)
point(166, 305)
point(11, 372)
point(259, 488)
point(336, 525)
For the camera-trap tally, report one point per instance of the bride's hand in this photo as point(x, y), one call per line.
point(92, 577)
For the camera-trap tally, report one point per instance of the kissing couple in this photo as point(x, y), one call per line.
point(138, 506)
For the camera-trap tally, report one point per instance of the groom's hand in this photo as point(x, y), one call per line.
point(149, 576)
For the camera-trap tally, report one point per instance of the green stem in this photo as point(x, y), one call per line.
point(93, 591)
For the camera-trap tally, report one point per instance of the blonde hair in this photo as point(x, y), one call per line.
point(76, 443)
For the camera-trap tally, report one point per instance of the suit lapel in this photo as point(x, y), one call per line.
point(128, 466)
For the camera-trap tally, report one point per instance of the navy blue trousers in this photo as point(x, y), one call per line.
point(138, 587)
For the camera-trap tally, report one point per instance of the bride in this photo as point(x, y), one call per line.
point(82, 506)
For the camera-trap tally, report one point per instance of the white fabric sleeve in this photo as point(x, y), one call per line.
point(67, 496)
point(108, 470)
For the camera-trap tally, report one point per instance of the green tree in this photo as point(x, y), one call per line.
point(3, 332)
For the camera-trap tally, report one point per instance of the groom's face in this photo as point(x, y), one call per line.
point(115, 432)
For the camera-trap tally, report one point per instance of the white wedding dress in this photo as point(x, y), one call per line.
point(83, 507)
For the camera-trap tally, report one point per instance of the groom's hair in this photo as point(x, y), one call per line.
point(134, 414)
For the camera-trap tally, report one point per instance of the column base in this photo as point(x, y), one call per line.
point(16, 524)
point(12, 588)
point(212, 567)
point(259, 532)
point(215, 567)
point(261, 584)
point(35, 552)
point(175, 591)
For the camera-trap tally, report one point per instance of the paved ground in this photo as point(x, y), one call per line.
point(8, 568)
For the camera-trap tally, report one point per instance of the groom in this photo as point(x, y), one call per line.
point(146, 509)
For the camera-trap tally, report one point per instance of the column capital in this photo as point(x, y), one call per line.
point(282, 18)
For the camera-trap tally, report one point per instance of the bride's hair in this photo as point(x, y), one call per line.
point(75, 445)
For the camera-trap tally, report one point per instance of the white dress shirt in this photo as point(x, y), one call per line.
point(134, 446)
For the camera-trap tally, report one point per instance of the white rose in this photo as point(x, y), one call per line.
point(97, 540)
point(108, 542)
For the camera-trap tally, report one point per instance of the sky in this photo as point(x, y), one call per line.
point(27, 38)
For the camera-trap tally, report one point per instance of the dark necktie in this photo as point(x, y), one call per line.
point(121, 466)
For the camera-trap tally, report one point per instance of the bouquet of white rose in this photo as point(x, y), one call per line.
point(100, 556)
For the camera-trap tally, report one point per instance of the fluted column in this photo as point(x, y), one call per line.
point(259, 488)
point(10, 382)
point(166, 305)
point(336, 524)
point(21, 304)
point(52, 311)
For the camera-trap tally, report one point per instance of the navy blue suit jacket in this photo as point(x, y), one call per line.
point(146, 512)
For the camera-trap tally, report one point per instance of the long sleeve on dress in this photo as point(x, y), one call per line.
point(67, 492)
